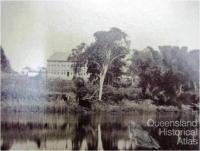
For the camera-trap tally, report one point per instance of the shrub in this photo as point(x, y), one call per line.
point(112, 94)
point(131, 93)
point(117, 94)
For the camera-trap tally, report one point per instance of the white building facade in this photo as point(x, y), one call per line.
point(58, 67)
point(27, 71)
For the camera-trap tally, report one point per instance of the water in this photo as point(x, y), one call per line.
point(108, 131)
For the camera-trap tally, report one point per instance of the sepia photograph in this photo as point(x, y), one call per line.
point(99, 75)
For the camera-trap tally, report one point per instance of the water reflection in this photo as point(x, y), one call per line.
point(85, 132)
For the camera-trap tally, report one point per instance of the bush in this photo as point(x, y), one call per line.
point(60, 85)
point(111, 94)
point(116, 95)
point(188, 98)
point(131, 93)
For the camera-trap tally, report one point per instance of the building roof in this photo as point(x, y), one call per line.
point(58, 56)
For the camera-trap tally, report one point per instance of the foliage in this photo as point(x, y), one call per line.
point(81, 90)
point(115, 72)
point(5, 64)
point(18, 87)
point(165, 75)
point(59, 85)
point(113, 94)
point(77, 57)
point(182, 60)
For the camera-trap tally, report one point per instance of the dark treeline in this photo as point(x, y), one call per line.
point(167, 76)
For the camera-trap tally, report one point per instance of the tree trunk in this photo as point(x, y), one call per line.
point(132, 81)
point(102, 78)
point(99, 142)
point(181, 89)
point(76, 75)
point(195, 86)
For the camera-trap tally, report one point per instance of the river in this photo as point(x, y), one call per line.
point(99, 131)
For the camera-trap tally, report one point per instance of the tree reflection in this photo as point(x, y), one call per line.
point(86, 132)
point(6, 145)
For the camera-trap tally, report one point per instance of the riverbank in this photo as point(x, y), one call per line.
point(62, 107)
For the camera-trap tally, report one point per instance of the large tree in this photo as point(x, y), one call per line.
point(142, 62)
point(109, 47)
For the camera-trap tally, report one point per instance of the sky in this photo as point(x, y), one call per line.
point(31, 31)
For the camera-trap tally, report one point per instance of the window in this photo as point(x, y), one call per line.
point(68, 74)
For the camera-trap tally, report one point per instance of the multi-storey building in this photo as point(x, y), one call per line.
point(58, 67)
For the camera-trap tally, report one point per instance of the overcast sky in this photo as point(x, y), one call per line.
point(33, 30)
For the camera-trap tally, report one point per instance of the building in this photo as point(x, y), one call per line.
point(58, 67)
point(27, 71)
